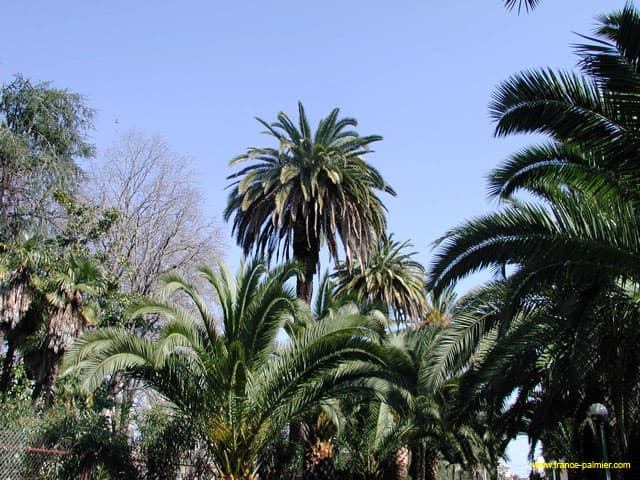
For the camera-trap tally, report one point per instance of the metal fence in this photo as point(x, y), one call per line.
point(21, 458)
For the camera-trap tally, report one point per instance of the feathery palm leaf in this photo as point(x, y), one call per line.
point(240, 386)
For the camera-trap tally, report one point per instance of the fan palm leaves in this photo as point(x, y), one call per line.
point(69, 291)
point(311, 189)
point(18, 262)
point(20, 265)
point(238, 384)
point(391, 277)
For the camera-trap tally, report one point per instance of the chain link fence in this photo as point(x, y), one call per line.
point(22, 458)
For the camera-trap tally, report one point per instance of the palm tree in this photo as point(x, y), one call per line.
point(396, 282)
point(586, 177)
point(391, 277)
point(319, 426)
point(20, 263)
point(563, 351)
point(310, 189)
point(373, 439)
point(241, 386)
point(68, 291)
point(521, 4)
point(566, 254)
point(442, 429)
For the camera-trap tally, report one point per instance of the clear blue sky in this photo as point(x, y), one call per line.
point(420, 73)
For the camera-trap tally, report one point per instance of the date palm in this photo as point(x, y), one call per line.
point(536, 369)
point(309, 189)
point(440, 429)
point(391, 277)
point(240, 386)
point(573, 243)
point(584, 180)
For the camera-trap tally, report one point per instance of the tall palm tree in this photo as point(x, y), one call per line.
point(391, 277)
point(240, 386)
point(309, 189)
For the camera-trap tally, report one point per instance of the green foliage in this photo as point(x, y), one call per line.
point(80, 439)
point(240, 386)
point(167, 444)
point(47, 297)
point(85, 223)
point(42, 132)
point(390, 277)
point(558, 325)
point(98, 450)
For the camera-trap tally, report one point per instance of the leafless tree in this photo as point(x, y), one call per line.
point(161, 225)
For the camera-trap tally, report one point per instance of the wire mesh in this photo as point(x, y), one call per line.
point(22, 458)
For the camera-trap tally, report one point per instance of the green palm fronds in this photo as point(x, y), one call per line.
point(313, 188)
point(234, 378)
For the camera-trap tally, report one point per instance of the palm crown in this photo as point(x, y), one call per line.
point(312, 188)
point(392, 277)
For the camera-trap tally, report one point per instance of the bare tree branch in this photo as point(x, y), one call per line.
point(161, 227)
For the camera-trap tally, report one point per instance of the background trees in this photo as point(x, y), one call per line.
point(160, 226)
point(43, 131)
point(557, 325)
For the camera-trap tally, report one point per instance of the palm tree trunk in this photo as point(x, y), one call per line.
point(400, 464)
point(44, 391)
point(431, 465)
point(306, 250)
point(424, 462)
point(417, 468)
point(7, 365)
point(304, 284)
